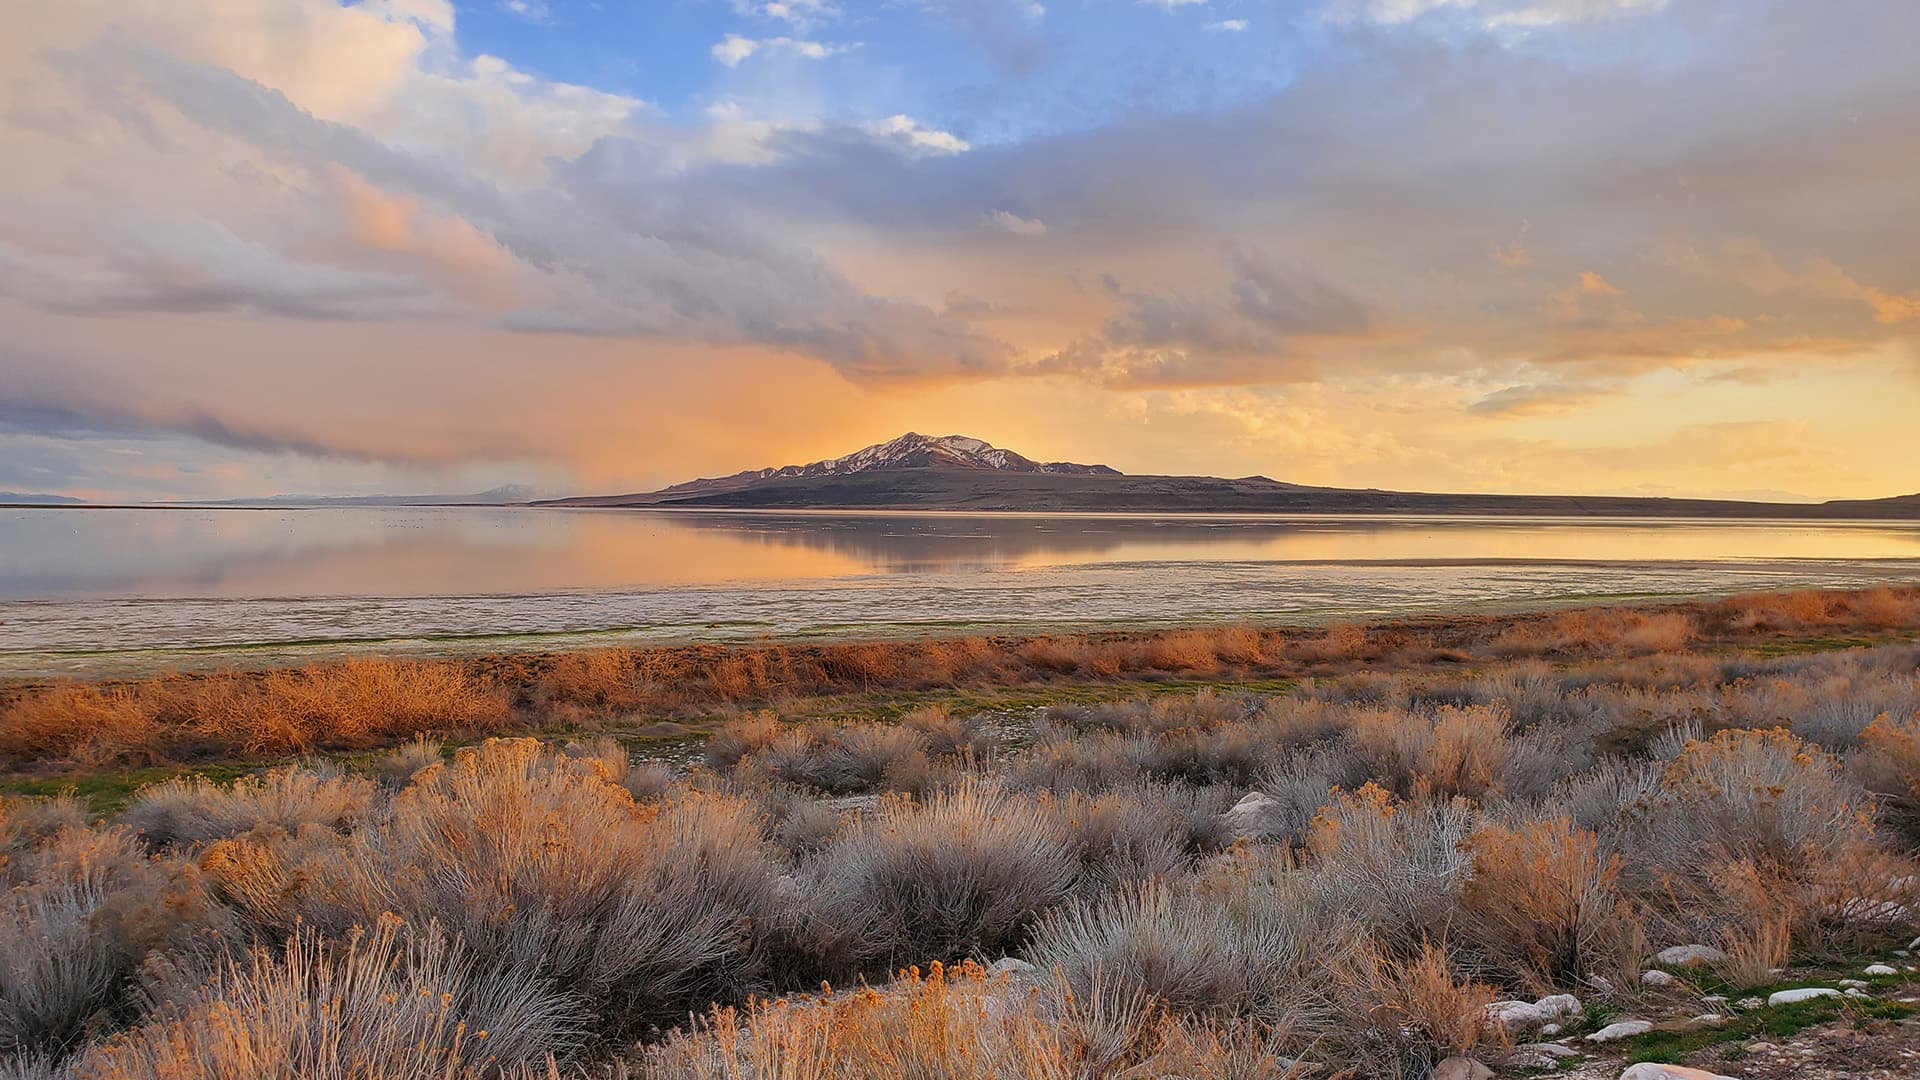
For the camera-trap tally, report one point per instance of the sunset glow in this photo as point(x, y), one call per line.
point(1612, 246)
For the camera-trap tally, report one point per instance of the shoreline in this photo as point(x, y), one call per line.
point(18, 667)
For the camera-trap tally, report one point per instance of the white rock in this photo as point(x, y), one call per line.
point(1714, 999)
point(1856, 992)
point(1656, 977)
point(1851, 984)
point(1558, 1005)
point(1551, 1030)
point(1711, 1019)
point(1516, 1015)
point(1648, 1070)
point(1011, 965)
point(1879, 969)
point(1621, 1029)
point(1548, 1049)
point(1600, 983)
point(1254, 816)
point(1914, 944)
point(1806, 993)
point(1520, 1016)
point(1690, 956)
point(1748, 1003)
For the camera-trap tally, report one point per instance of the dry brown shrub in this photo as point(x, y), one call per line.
point(600, 678)
point(1598, 631)
point(351, 705)
point(1058, 655)
point(1894, 745)
point(1543, 901)
point(1182, 650)
point(1239, 645)
point(1762, 612)
point(946, 1025)
point(959, 1023)
point(1342, 641)
point(1421, 998)
point(1754, 958)
point(1884, 607)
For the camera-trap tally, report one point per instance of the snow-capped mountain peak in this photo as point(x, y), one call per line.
point(909, 451)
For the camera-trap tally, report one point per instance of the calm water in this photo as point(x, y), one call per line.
point(126, 589)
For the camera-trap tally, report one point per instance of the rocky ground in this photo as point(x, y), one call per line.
point(1683, 1023)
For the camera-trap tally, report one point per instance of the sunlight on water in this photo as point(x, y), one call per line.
point(124, 581)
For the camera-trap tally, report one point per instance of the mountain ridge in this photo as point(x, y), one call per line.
point(960, 473)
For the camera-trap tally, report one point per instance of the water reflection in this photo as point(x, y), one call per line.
point(95, 591)
point(51, 554)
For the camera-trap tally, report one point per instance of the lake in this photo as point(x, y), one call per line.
point(109, 590)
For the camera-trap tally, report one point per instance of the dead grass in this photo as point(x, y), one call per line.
point(960, 1023)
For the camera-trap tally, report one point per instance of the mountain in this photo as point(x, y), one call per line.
point(17, 498)
point(954, 472)
point(505, 495)
point(909, 451)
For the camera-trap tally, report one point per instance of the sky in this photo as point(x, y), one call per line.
point(1586, 246)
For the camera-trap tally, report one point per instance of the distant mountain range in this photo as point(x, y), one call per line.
point(18, 498)
point(506, 495)
point(955, 472)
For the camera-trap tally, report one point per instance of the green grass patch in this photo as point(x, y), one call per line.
point(108, 793)
point(1778, 1022)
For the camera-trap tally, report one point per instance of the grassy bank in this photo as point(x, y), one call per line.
point(357, 705)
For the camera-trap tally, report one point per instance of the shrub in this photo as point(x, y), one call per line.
point(1122, 836)
point(1246, 940)
point(1395, 869)
point(1541, 898)
point(545, 866)
point(394, 1004)
point(81, 911)
point(1763, 795)
point(1415, 1011)
point(960, 1024)
point(192, 811)
point(963, 875)
point(1455, 751)
point(395, 767)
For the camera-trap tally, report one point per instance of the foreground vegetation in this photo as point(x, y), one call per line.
point(1343, 878)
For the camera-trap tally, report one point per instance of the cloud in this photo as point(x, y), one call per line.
point(1251, 332)
point(1753, 266)
point(1228, 26)
point(1009, 222)
point(733, 50)
point(1418, 220)
point(1492, 14)
point(803, 15)
point(917, 136)
point(531, 10)
point(1544, 399)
